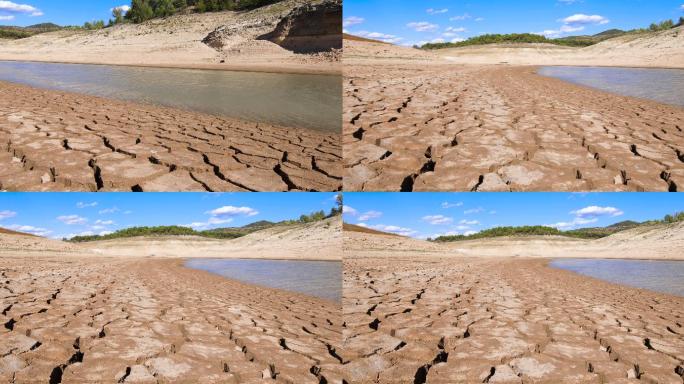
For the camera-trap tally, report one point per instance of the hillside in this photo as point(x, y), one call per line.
point(5, 231)
point(287, 35)
point(357, 228)
point(12, 32)
point(349, 37)
point(321, 240)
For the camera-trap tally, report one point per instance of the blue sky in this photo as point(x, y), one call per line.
point(62, 12)
point(61, 215)
point(409, 22)
point(423, 215)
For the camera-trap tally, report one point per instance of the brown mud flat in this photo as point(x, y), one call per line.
point(436, 127)
point(57, 141)
point(76, 320)
point(469, 320)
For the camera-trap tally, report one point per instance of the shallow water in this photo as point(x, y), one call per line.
point(292, 100)
point(662, 85)
point(659, 276)
point(315, 278)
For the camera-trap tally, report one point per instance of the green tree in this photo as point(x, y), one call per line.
point(140, 11)
point(164, 8)
point(118, 15)
point(201, 6)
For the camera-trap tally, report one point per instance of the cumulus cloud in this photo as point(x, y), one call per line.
point(81, 204)
point(347, 210)
point(122, 8)
point(208, 223)
point(465, 16)
point(391, 229)
point(228, 210)
point(109, 211)
point(104, 222)
point(422, 26)
point(6, 17)
point(438, 219)
point(595, 211)
point(72, 219)
point(7, 214)
point(14, 8)
point(432, 11)
point(474, 210)
point(572, 224)
point(447, 205)
point(581, 18)
point(456, 29)
point(469, 222)
point(370, 215)
point(29, 229)
point(352, 20)
point(392, 39)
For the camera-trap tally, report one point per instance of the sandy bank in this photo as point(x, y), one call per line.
point(112, 320)
point(432, 316)
point(57, 141)
point(446, 127)
point(317, 241)
point(177, 42)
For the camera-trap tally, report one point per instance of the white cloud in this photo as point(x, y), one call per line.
point(682, 7)
point(84, 233)
point(581, 18)
point(470, 233)
point(474, 210)
point(7, 214)
point(72, 219)
point(447, 205)
point(563, 225)
point(438, 219)
point(457, 40)
point(10, 7)
point(456, 29)
point(469, 222)
point(81, 204)
point(432, 11)
point(229, 210)
point(392, 39)
point(347, 210)
point(370, 215)
point(391, 229)
point(104, 222)
point(595, 211)
point(352, 20)
point(109, 210)
point(479, 19)
point(461, 17)
point(123, 8)
point(6, 17)
point(29, 229)
point(104, 233)
point(422, 26)
point(208, 223)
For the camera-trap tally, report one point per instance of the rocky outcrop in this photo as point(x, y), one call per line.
point(310, 28)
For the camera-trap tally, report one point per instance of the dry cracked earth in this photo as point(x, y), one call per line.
point(55, 141)
point(146, 321)
point(502, 128)
point(440, 320)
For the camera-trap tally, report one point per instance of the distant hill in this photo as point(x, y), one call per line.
point(13, 32)
point(357, 228)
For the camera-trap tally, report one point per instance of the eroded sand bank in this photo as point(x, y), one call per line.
point(57, 141)
point(423, 313)
point(139, 320)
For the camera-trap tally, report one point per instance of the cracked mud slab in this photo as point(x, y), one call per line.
point(456, 320)
point(499, 128)
point(74, 320)
point(56, 141)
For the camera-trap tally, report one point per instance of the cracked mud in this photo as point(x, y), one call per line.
point(455, 320)
point(459, 128)
point(145, 321)
point(55, 141)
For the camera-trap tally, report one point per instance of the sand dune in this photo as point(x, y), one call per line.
point(418, 312)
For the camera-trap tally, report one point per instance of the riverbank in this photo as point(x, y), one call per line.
point(446, 320)
point(214, 40)
point(59, 141)
point(141, 320)
point(431, 126)
point(422, 312)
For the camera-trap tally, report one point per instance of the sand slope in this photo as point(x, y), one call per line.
point(175, 41)
point(316, 241)
point(652, 49)
point(662, 241)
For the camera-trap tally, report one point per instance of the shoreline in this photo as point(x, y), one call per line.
point(156, 318)
point(308, 69)
point(504, 319)
point(153, 148)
